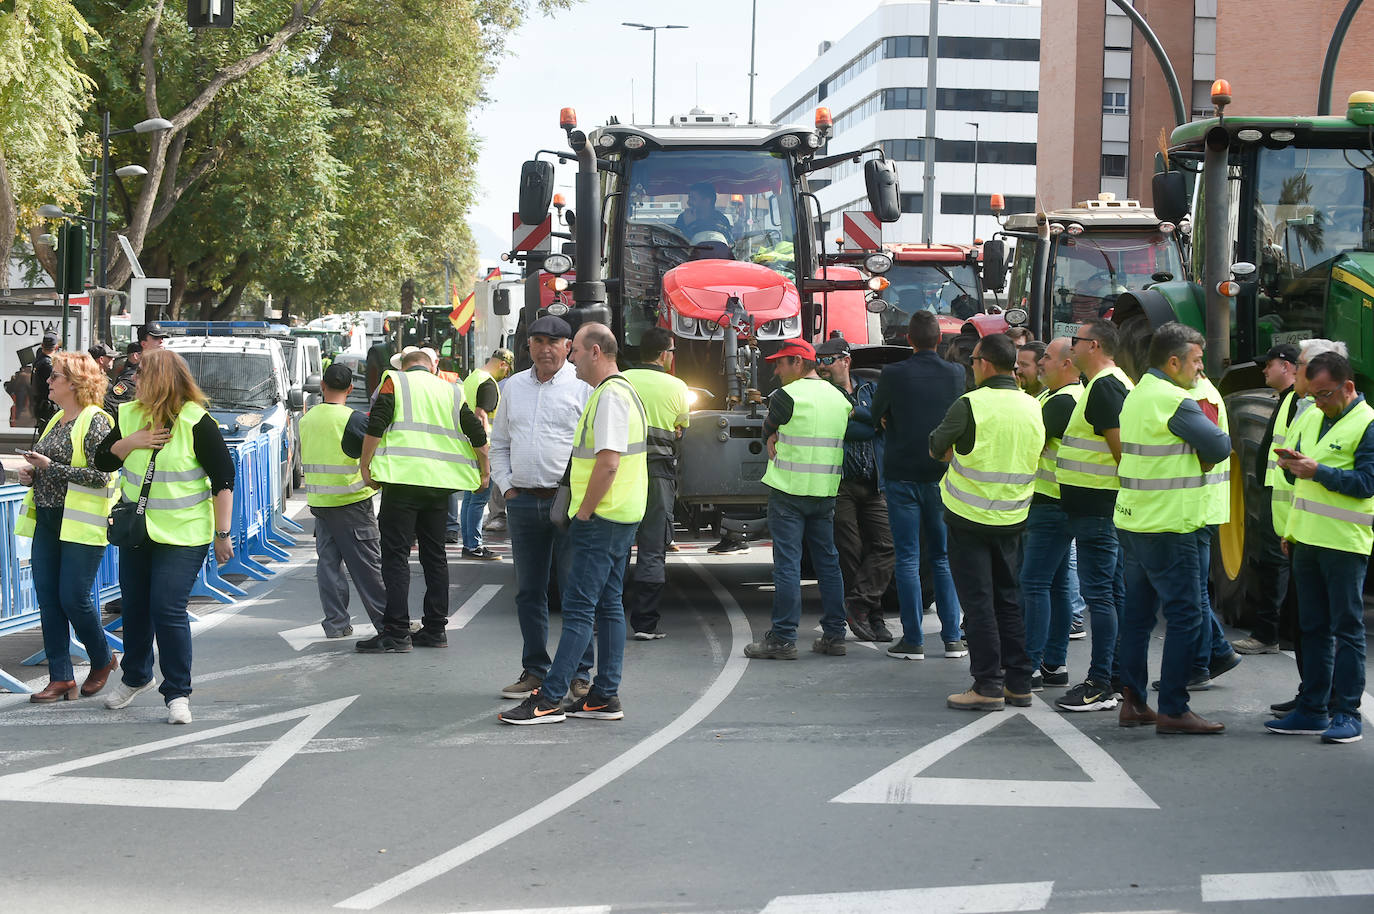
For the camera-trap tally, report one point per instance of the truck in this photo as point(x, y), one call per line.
point(732, 273)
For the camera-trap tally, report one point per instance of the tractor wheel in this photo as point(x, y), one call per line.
point(1232, 547)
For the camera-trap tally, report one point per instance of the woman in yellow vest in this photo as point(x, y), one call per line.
point(65, 514)
point(190, 504)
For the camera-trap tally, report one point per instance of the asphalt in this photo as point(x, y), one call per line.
point(829, 784)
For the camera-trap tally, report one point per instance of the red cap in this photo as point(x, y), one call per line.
point(800, 348)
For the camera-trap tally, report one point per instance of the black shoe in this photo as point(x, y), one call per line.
point(729, 546)
point(384, 644)
point(1283, 707)
point(831, 645)
point(1198, 682)
point(427, 638)
point(1087, 696)
point(858, 627)
point(481, 553)
point(594, 707)
point(1224, 664)
point(1078, 631)
point(771, 647)
point(452, 538)
point(1054, 676)
point(1037, 681)
point(534, 710)
point(881, 632)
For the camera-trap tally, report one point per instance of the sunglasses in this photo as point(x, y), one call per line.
point(1082, 339)
point(828, 359)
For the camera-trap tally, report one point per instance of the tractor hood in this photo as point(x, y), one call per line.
point(700, 289)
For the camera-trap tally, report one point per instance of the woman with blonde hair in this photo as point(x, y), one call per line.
point(190, 503)
point(65, 514)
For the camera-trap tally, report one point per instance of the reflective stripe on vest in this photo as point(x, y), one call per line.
point(1046, 480)
point(1085, 459)
point(993, 483)
point(1156, 464)
point(1273, 473)
point(810, 445)
point(424, 445)
point(1217, 483)
point(665, 403)
point(332, 478)
point(627, 497)
point(1320, 517)
point(85, 510)
point(179, 511)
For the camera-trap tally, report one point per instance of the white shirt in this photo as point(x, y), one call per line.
point(532, 435)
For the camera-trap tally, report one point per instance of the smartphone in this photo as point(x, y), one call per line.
point(22, 452)
point(1287, 453)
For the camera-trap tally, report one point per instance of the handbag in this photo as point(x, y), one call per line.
point(128, 525)
point(562, 501)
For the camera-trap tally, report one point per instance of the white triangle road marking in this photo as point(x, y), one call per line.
point(1108, 787)
point(301, 638)
point(51, 785)
point(954, 899)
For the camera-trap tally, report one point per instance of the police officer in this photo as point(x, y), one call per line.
point(665, 403)
point(124, 387)
point(804, 429)
point(1168, 451)
point(151, 336)
point(43, 408)
point(992, 437)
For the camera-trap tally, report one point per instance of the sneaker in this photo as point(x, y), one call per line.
point(1345, 728)
point(595, 707)
point(1087, 696)
point(427, 638)
point(179, 710)
point(1224, 664)
point(385, 644)
point(902, 650)
point(453, 537)
point(771, 648)
point(649, 636)
point(495, 524)
point(972, 701)
point(345, 632)
point(858, 627)
point(578, 689)
point(956, 649)
point(1254, 646)
point(1018, 699)
point(1078, 631)
point(481, 554)
point(729, 546)
point(1198, 682)
point(1281, 708)
point(1300, 723)
point(881, 633)
point(124, 694)
point(1054, 676)
point(522, 687)
point(832, 645)
point(534, 710)
point(1037, 681)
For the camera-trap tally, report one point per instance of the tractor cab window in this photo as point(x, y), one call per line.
point(944, 288)
point(1092, 269)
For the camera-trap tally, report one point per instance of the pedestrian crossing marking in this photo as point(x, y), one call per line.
point(1108, 785)
point(51, 784)
point(954, 899)
point(1264, 886)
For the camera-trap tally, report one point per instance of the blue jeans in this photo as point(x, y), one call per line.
point(155, 581)
point(1100, 577)
point(470, 516)
point(794, 519)
point(1330, 587)
point(1161, 575)
point(62, 577)
point(914, 508)
point(1045, 599)
point(1077, 605)
point(1211, 641)
point(597, 554)
point(535, 545)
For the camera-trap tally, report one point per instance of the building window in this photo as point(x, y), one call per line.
point(1009, 100)
point(906, 46)
point(1114, 103)
point(852, 69)
point(1113, 166)
point(913, 203)
point(960, 48)
point(897, 99)
point(962, 204)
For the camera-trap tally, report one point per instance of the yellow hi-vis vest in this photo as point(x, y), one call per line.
point(473, 381)
point(332, 478)
point(665, 403)
point(180, 511)
point(1045, 482)
point(84, 509)
point(625, 501)
point(1321, 517)
point(992, 484)
point(1274, 477)
point(424, 445)
point(1085, 458)
point(1161, 478)
point(810, 447)
point(1216, 494)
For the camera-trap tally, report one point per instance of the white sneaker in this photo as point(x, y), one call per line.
point(179, 711)
point(124, 694)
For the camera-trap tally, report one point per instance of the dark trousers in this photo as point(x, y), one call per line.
point(645, 582)
point(402, 522)
point(1331, 608)
point(1161, 576)
point(347, 537)
point(62, 577)
point(864, 541)
point(155, 582)
point(985, 564)
point(1271, 575)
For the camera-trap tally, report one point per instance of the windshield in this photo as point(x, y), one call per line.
point(700, 204)
point(288, 351)
point(945, 288)
point(233, 380)
point(1092, 269)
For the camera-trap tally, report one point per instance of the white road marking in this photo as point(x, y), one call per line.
point(301, 638)
point(1109, 787)
point(250, 748)
point(473, 605)
point(585, 909)
point(711, 699)
point(849, 640)
point(51, 785)
point(1266, 886)
point(310, 663)
point(954, 899)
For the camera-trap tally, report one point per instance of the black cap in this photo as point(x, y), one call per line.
point(338, 376)
point(133, 347)
point(552, 326)
point(1286, 351)
point(50, 338)
point(836, 345)
point(100, 351)
point(152, 328)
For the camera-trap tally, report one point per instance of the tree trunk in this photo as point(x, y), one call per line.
point(9, 223)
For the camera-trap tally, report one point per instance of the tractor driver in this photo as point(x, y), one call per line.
point(701, 214)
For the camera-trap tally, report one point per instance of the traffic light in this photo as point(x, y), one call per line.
point(210, 14)
point(71, 253)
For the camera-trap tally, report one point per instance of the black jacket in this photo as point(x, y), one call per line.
point(914, 395)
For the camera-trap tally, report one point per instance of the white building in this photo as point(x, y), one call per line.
point(873, 79)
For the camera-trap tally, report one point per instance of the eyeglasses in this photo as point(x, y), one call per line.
point(1325, 394)
point(828, 359)
point(1082, 339)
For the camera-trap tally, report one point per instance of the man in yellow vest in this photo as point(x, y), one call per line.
point(991, 437)
point(346, 534)
point(1168, 450)
point(804, 429)
point(483, 396)
point(1331, 461)
point(423, 443)
point(665, 401)
point(609, 479)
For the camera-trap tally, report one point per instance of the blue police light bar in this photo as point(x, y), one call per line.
point(224, 328)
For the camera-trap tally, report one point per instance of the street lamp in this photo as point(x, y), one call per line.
point(150, 125)
point(975, 125)
point(653, 83)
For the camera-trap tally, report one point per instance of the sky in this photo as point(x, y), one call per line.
point(585, 59)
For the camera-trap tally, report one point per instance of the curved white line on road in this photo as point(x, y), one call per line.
point(711, 699)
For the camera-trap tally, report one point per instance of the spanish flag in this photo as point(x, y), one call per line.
point(463, 311)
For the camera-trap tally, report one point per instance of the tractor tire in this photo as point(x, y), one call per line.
point(1249, 412)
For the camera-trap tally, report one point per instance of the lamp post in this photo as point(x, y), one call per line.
point(151, 125)
point(653, 83)
point(975, 126)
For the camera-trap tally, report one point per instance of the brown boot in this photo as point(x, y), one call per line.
point(1135, 711)
point(55, 691)
point(96, 679)
point(1188, 723)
